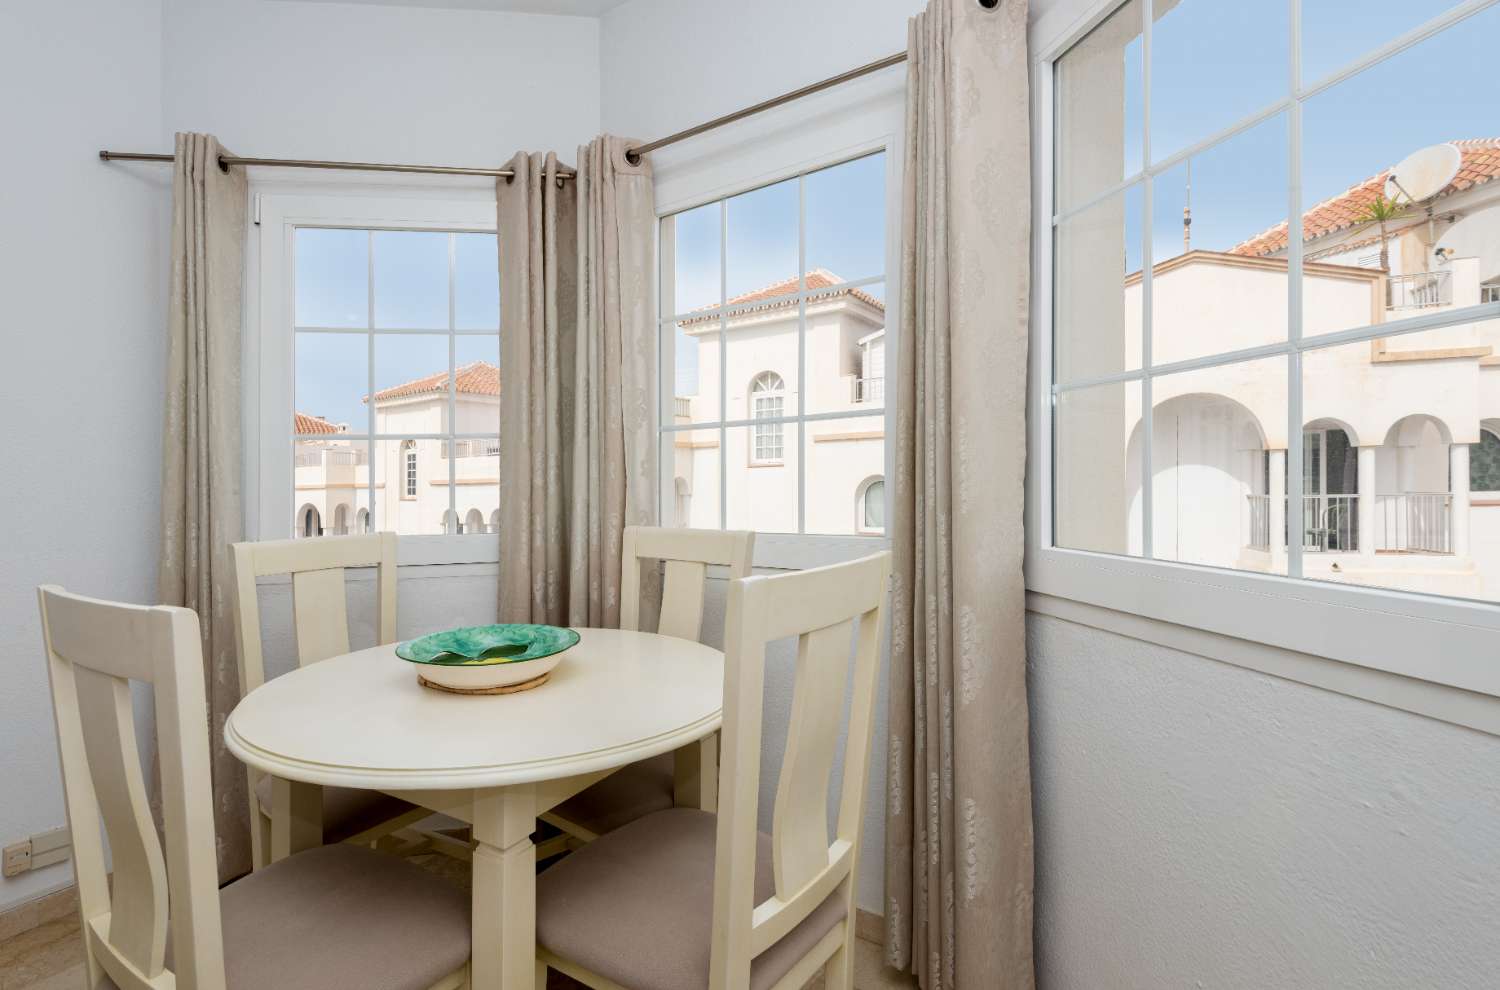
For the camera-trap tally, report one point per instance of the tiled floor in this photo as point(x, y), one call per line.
point(50, 956)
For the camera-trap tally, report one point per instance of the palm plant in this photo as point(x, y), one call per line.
point(1381, 211)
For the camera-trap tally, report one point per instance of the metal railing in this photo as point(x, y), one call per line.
point(869, 390)
point(1330, 523)
point(484, 447)
point(682, 406)
point(1419, 291)
point(1414, 522)
point(1260, 522)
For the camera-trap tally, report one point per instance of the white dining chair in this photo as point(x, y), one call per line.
point(685, 899)
point(688, 777)
point(155, 919)
point(321, 624)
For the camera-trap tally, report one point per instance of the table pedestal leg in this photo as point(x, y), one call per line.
point(696, 774)
point(296, 817)
point(504, 905)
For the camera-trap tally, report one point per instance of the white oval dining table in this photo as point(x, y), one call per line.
point(494, 761)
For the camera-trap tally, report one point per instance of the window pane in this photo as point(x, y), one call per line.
point(762, 493)
point(1212, 63)
point(1404, 433)
point(844, 457)
point(845, 343)
point(1099, 87)
point(1218, 462)
point(1368, 203)
point(693, 500)
point(762, 243)
point(691, 243)
point(411, 383)
point(332, 378)
point(476, 466)
point(411, 279)
point(333, 277)
point(846, 219)
point(1097, 469)
point(693, 348)
point(476, 282)
point(1203, 273)
point(1097, 307)
point(411, 486)
point(1332, 39)
point(331, 496)
point(478, 361)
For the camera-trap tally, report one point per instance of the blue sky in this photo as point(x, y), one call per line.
point(411, 292)
point(1217, 60)
point(845, 235)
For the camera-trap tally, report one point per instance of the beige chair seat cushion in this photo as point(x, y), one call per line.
point(346, 810)
point(628, 794)
point(636, 906)
point(341, 917)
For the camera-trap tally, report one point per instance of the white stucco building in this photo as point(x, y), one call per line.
point(1401, 436)
point(757, 369)
point(411, 477)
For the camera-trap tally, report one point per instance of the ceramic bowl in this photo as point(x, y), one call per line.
point(480, 658)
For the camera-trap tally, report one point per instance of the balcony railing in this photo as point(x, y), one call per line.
point(484, 447)
point(1414, 522)
point(1409, 522)
point(327, 458)
point(869, 390)
point(1419, 291)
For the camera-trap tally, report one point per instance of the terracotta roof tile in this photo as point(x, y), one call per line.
point(1480, 163)
point(773, 295)
point(315, 424)
point(478, 378)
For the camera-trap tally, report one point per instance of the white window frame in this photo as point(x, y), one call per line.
point(859, 504)
point(282, 202)
point(860, 118)
point(775, 399)
point(1281, 625)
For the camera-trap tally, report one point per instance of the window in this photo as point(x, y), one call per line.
point(772, 324)
point(767, 403)
point(409, 447)
point(378, 362)
point(870, 506)
point(1186, 308)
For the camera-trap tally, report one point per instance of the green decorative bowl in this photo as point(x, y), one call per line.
point(483, 658)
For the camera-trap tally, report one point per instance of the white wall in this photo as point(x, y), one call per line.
point(1201, 825)
point(380, 83)
point(83, 279)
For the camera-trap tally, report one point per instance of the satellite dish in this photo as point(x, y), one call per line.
point(1423, 174)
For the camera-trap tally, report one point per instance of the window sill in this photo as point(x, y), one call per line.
point(1372, 634)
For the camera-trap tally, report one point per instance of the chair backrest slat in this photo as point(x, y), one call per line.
point(94, 649)
point(831, 611)
point(687, 555)
point(320, 613)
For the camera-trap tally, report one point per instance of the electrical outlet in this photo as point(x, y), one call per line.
point(17, 859)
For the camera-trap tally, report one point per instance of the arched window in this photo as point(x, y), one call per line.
point(495, 521)
point(767, 401)
point(409, 461)
point(341, 520)
point(869, 507)
point(1484, 463)
point(473, 522)
point(362, 521)
point(450, 522)
point(309, 521)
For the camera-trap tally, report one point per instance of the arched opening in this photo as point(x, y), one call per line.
point(449, 524)
point(1484, 460)
point(309, 521)
point(341, 520)
point(495, 521)
point(1330, 486)
point(1209, 481)
point(1414, 487)
point(362, 520)
point(473, 522)
point(869, 506)
point(767, 401)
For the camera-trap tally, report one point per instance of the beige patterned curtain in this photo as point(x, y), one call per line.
point(958, 823)
point(201, 511)
point(577, 409)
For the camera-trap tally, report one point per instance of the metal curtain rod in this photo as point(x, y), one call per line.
point(227, 160)
point(633, 155)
